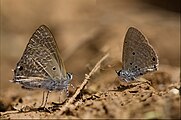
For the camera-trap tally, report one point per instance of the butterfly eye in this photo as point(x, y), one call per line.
point(118, 72)
point(54, 68)
point(20, 68)
point(69, 75)
point(133, 53)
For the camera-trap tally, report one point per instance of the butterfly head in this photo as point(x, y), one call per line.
point(118, 72)
point(123, 75)
point(69, 76)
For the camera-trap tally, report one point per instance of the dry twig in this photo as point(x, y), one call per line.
point(85, 82)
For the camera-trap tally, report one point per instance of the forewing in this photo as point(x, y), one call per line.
point(44, 36)
point(40, 58)
point(138, 54)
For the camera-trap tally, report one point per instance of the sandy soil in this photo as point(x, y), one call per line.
point(85, 32)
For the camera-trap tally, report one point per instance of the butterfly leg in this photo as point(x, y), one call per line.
point(67, 91)
point(42, 99)
point(126, 80)
point(46, 98)
point(60, 97)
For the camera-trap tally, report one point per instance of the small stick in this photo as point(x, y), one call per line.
point(85, 82)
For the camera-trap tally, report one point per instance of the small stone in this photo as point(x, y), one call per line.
point(174, 91)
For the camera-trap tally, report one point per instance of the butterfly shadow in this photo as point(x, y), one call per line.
point(131, 84)
point(122, 88)
point(27, 109)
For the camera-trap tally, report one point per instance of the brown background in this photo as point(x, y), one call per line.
point(85, 30)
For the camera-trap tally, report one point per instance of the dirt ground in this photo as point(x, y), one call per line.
point(85, 31)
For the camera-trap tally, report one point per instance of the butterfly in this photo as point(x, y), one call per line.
point(138, 56)
point(41, 66)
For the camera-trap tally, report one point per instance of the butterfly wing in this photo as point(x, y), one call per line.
point(138, 54)
point(48, 40)
point(41, 58)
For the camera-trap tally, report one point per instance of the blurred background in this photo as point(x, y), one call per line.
point(87, 29)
